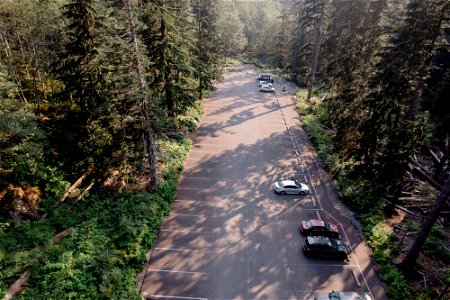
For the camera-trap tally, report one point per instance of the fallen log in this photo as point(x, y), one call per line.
point(403, 209)
point(81, 196)
point(70, 190)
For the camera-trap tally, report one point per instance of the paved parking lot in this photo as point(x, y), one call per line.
point(228, 235)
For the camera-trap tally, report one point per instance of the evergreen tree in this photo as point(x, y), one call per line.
point(394, 128)
point(284, 39)
point(353, 34)
point(209, 50)
point(169, 48)
point(307, 39)
point(231, 28)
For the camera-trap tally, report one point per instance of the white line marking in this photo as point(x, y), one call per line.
point(186, 250)
point(204, 200)
point(322, 266)
point(193, 215)
point(187, 231)
point(318, 215)
point(173, 297)
point(306, 178)
point(207, 144)
point(201, 177)
point(314, 202)
point(194, 188)
point(172, 271)
point(356, 278)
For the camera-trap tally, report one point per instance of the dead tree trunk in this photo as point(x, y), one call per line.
point(408, 263)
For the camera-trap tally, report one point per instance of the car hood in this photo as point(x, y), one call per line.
point(304, 186)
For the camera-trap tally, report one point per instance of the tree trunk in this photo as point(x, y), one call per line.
point(442, 162)
point(408, 263)
point(147, 137)
point(151, 148)
point(444, 291)
point(315, 58)
point(135, 44)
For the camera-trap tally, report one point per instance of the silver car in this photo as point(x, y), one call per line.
point(284, 187)
point(344, 296)
point(266, 88)
point(261, 82)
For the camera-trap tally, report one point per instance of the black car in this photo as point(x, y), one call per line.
point(325, 247)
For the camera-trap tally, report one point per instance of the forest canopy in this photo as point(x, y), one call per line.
point(100, 96)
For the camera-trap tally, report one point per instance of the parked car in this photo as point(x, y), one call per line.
point(344, 296)
point(266, 77)
point(323, 246)
point(261, 82)
point(266, 88)
point(284, 187)
point(318, 228)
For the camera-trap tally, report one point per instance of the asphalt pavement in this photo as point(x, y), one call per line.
point(229, 236)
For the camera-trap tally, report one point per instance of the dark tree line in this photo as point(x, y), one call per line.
point(384, 66)
point(101, 79)
point(93, 83)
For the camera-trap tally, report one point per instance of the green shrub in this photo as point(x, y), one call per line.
point(397, 288)
point(378, 239)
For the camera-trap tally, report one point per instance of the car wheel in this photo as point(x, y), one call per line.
point(302, 193)
point(283, 193)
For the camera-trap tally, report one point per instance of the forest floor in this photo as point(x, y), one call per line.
point(431, 270)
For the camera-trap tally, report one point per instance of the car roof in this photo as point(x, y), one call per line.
point(316, 222)
point(288, 182)
point(316, 240)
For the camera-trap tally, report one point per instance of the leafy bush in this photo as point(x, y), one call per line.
point(107, 243)
point(378, 239)
point(398, 288)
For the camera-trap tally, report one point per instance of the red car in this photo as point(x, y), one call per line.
point(318, 228)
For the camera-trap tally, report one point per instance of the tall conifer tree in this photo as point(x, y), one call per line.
point(394, 128)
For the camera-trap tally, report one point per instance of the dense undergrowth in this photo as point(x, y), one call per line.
point(358, 195)
point(107, 242)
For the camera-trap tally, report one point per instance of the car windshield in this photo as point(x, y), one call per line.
point(309, 224)
point(280, 183)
